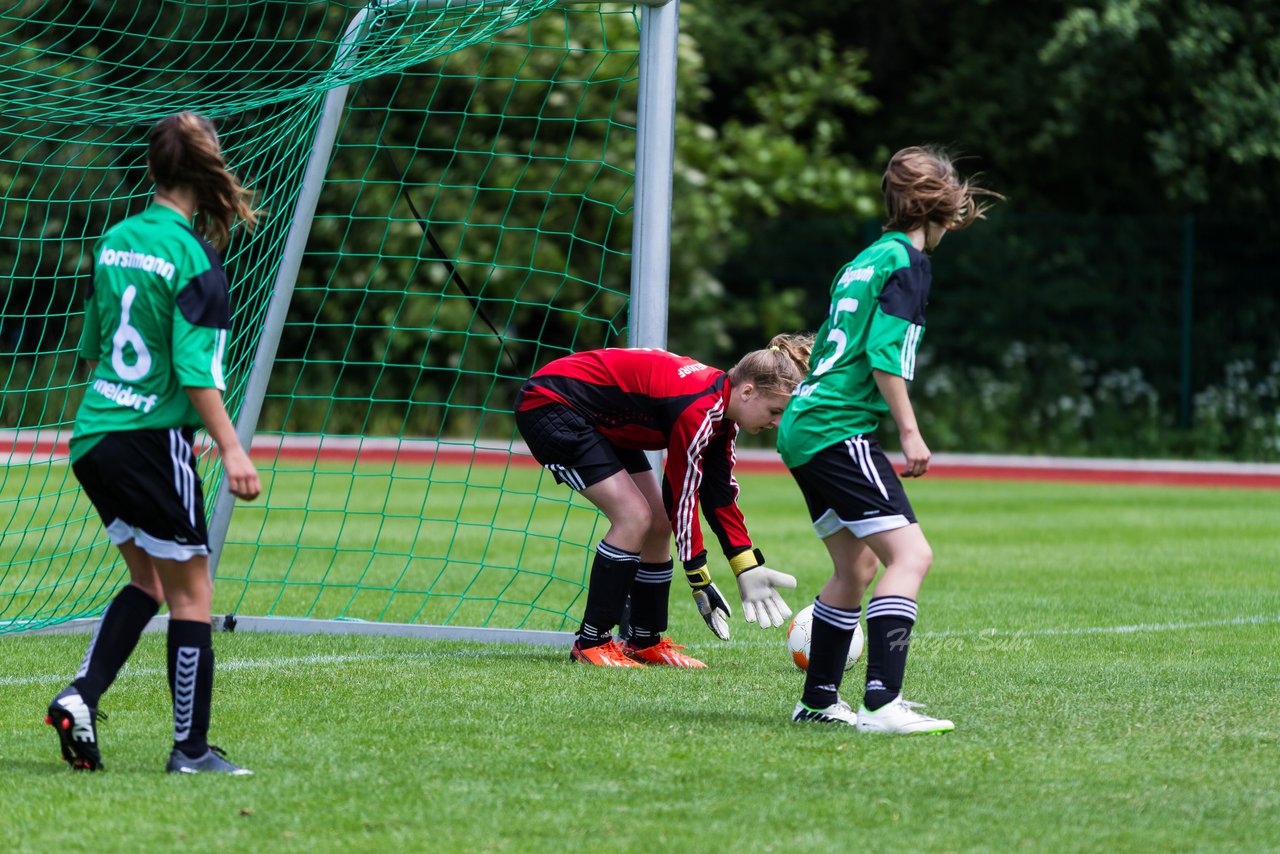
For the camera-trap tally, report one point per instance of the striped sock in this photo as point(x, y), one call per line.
point(650, 599)
point(889, 623)
point(612, 573)
point(828, 653)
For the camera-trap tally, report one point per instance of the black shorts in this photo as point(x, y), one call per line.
point(144, 485)
point(569, 447)
point(852, 485)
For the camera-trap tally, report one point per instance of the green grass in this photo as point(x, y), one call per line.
point(1071, 735)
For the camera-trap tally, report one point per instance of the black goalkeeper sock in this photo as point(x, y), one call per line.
point(650, 600)
point(889, 623)
point(833, 630)
point(114, 641)
point(612, 573)
point(191, 684)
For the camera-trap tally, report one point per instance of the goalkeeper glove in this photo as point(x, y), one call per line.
point(711, 604)
point(758, 586)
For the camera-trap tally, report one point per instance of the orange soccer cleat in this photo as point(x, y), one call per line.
point(663, 652)
point(609, 654)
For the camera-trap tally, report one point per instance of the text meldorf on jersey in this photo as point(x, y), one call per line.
point(123, 395)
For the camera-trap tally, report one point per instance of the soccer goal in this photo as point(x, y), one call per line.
point(456, 192)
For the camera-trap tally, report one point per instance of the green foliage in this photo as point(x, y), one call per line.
point(1240, 415)
point(473, 228)
point(1197, 83)
point(781, 156)
point(1074, 106)
point(1047, 399)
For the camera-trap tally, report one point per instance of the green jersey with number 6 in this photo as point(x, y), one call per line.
point(156, 322)
point(875, 322)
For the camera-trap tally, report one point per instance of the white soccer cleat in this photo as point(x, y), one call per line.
point(839, 712)
point(900, 717)
point(76, 723)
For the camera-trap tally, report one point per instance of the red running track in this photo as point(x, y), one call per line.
point(19, 447)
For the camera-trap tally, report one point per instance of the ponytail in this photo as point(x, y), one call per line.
point(778, 368)
point(183, 151)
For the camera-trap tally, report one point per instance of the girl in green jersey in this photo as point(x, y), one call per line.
point(862, 358)
point(156, 322)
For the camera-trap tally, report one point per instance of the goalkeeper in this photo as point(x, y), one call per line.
point(589, 417)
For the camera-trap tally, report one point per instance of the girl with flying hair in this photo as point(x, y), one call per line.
point(863, 356)
point(589, 417)
point(155, 338)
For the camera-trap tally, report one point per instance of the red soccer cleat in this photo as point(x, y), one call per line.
point(663, 652)
point(605, 655)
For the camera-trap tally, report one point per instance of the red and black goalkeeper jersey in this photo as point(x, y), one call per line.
point(654, 400)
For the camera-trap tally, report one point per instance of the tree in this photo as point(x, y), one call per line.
point(1196, 85)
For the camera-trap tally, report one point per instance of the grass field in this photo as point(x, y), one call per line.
point(1107, 652)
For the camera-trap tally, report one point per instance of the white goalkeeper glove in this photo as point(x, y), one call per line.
point(758, 585)
point(711, 603)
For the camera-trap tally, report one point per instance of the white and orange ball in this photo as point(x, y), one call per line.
point(800, 634)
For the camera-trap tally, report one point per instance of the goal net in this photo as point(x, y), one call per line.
point(472, 221)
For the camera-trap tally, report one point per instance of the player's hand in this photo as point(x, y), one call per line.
point(761, 601)
point(917, 454)
point(714, 609)
point(242, 477)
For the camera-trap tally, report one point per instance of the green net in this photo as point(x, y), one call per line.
point(474, 223)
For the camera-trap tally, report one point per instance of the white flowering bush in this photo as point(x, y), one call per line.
point(1241, 416)
point(1049, 400)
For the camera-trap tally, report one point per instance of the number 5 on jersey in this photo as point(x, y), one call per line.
point(836, 336)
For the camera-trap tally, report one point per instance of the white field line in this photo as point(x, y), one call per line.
point(228, 665)
point(1264, 620)
point(426, 658)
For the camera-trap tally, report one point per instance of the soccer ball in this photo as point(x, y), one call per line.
point(800, 632)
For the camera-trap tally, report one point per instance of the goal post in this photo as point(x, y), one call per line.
point(464, 191)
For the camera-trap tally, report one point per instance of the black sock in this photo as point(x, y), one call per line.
point(190, 684)
point(889, 622)
point(833, 630)
point(113, 641)
point(612, 573)
point(650, 598)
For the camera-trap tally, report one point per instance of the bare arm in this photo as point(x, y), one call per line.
point(894, 390)
point(241, 475)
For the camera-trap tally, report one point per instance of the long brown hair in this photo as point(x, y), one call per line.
point(183, 151)
point(778, 368)
point(921, 186)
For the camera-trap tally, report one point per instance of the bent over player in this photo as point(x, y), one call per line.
point(863, 357)
point(155, 337)
point(589, 417)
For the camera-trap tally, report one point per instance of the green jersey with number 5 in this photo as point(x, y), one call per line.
point(156, 322)
point(875, 322)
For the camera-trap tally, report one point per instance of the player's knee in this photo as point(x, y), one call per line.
point(920, 559)
point(659, 527)
point(632, 524)
point(865, 567)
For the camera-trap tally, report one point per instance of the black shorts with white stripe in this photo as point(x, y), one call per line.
point(569, 447)
point(145, 486)
point(852, 485)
